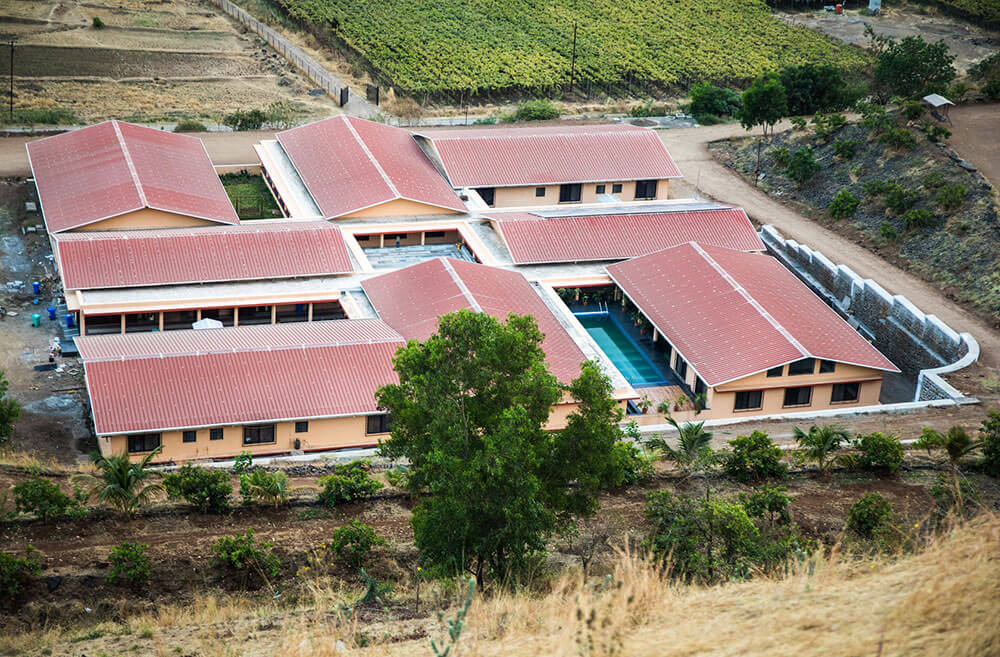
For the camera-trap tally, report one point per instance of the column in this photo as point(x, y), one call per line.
point(236, 316)
point(161, 322)
point(423, 238)
point(309, 313)
point(123, 322)
point(274, 313)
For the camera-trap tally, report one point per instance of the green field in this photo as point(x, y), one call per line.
point(449, 47)
point(975, 10)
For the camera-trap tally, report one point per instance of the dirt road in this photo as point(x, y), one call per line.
point(974, 131)
point(702, 174)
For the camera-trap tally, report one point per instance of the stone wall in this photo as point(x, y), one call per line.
point(921, 345)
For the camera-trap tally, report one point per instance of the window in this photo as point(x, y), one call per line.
point(748, 400)
point(645, 189)
point(256, 434)
point(143, 442)
point(378, 424)
point(362, 238)
point(845, 392)
point(775, 371)
point(600, 189)
point(434, 233)
point(681, 368)
point(798, 396)
point(394, 236)
point(215, 433)
point(699, 386)
point(804, 366)
point(570, 193)
point(539, 191)
point(488, 194)
point(827, 366)
point(189, 436)
point(301, 426)
point(616, 188)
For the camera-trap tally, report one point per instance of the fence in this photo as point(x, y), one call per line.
point(321, 77)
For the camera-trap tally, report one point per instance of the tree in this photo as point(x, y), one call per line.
point(468, 414)
point(820, 443)
point(10, 410)
point(754, 458)
point(708, 99)
point(911, 67)
point(764, 104)
point(122, 484)
point(209, 490)
point(802, 165)
point(811, 88)
point(694, 446)
point(269, 488)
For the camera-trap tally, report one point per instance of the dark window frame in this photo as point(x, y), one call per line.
point(681, 367)
point(842, 387)
point(138, 442)
point(216, 433)
point(776, 371)
point(259, 430)
point(189, 437)
point(378, 423)
point(539, 192)
point(807, 402)
point(434, 233)
point(748, 397)
point(827, 366)
point(792, 367)
point(616, 188)
point(570, 192)
point(302, 426)
point(600, 189)
point(645, 189)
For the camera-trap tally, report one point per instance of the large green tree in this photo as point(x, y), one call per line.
point(764, 103)
point(911, 67)
point(468, 414)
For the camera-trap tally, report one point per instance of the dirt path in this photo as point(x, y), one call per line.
point(702, 174)
point(975, 130)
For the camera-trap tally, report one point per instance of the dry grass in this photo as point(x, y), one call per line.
point(33, 462)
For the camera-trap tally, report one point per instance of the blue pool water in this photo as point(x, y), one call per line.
point(634, 365)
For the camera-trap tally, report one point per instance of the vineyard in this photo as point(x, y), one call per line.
point(979, 11)
point(485, 47)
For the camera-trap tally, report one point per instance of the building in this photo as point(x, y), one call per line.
point(119, 176)
point(519, 167)
point(743, 334)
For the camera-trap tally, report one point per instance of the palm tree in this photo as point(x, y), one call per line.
point(694, 446)
point(957, 443)
point(269, 488)
point(820, 443)
point(122, 484)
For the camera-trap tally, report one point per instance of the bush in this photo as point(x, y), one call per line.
point(989, 434)
point(754, 458)
point(913, 110)
point(812, 88)
point(245, 120)
point(97, 23)
point(895, 137)
point(868, 515)
point(936, 133)
point(899, 199)
point(843, 205)
point(129, 562)
point(352, 542)
point(933, 180)
point(708, 99)
point(877, 187)
point(243, 462)
point(633, 464)
point(265, 487)
point(880, 452)
point(709, 119)
point(992, 89)
point(190, 125)
point(769, 502)
point(799, 122)
point(209, 490)
point(15, 572)
point(541, 109)
point(825, 125)
point(950, 197)
point(348, 482)
point(45, 499)
point(845, 148)
point(919, 218)
point(802, 165)
point(244, 555)
point(888, 231)
point(780, 155)
point(874, 118)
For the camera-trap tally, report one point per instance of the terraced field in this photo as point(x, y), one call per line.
point(486, 47)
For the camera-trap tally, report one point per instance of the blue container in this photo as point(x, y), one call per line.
point(36, 319)
point(69, 321)
point(34, 302)
point(36, 287)
point(51, 311)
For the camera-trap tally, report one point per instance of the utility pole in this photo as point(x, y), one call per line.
point(572, 67)
point(12, 81)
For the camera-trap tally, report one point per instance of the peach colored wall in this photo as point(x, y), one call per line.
point(147, 218)
point(508, 197)
point(399, 208)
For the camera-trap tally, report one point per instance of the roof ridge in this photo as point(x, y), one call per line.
point(130, 163)
point(234, 350)
point(512, 133)
point(462, 287)
point(753, 302)
point(371, 158)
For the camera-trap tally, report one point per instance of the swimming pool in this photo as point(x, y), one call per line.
point(634, 365)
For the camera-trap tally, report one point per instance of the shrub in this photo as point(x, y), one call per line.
point(265, 487)
point(245, 120)
point(919, 218)
point(541, 109)
point(933, 180)
point(633, 464)
point(129, 562)
point(880, 451)
point(352, 542)
point(802, 165)
point(16, 571)
point(780, 155)
point(950, 197)
point(845, 148)
point(913, 110)
point(825, 125)
point(989, 435)
point(843, 205)
point(936, 133)
point(899, 199)
point(209, 490)
point(243, 462)
point(888, 231)
point(812, 88)
point(190, 125)
point(869, 514)
point(397, 477)
point(874, 118)
point(45, 499)
point(897, 138)
point(348, 482)
point(244, 555)
point(709, 119)
point(753, 458)
point(992, 89)
point(876, 187)
point(97, 23)
point(708, 99)
point(799, 122)
point(769, 502)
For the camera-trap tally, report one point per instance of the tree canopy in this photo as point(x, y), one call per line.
point(469, 413)
point(764, 103)
point(911, 67)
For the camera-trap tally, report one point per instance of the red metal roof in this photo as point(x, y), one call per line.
point(349, 164)
point(534, 239)
point(413, 298)
point(185, 379)
point(505, 157)
point(732, 314)
point(105, 170)
point(200, 255)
